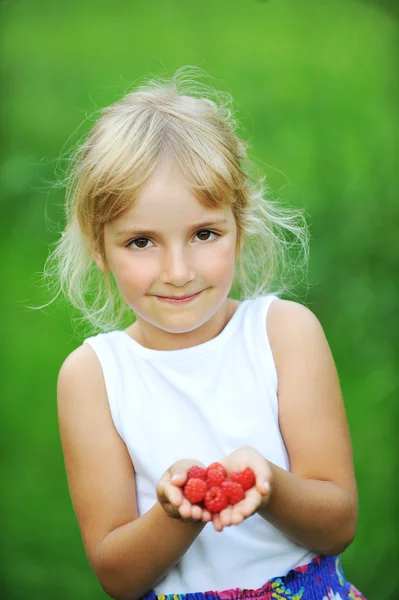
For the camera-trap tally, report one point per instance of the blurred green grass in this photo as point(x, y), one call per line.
point(316, 91)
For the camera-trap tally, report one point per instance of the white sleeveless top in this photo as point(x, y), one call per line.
point(203, 402)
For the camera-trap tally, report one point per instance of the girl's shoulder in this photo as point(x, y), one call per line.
point(291, 327)
point(287, 319)
point(80, 366)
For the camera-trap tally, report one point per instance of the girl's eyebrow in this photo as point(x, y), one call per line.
point(126, 233)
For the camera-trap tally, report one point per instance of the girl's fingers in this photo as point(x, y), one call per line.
point(263, 484)
point(251, 503)
point(185, 509)
point(225, 516)
point(192, 512)
point(196, 513)
point(206, 516)
point(236, 518)
point(216, 523)
point(173, 494)
point(178, 479)
point(246, 507)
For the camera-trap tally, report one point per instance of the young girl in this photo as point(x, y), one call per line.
point(162, 219)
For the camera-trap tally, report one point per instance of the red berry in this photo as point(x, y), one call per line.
point(215, 474)
point(215, 478)
point(233, 491)
point(194, 490)
point(215, 500)
point(197, 472)
point(218, 467)
point(245, 478)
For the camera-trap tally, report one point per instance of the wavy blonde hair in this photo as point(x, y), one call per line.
point(194, 126)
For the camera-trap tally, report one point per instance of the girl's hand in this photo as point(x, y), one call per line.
point(256, 497)
point(170, 494)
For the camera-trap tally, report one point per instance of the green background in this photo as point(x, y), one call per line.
point(316, 91)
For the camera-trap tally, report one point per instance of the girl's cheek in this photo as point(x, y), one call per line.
point(221, 264)
point(136, 274)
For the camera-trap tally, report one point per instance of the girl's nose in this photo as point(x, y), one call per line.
point(176, 267)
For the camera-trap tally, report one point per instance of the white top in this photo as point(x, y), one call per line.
point(203, 402)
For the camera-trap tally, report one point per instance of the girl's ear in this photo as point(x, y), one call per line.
point(100, 260)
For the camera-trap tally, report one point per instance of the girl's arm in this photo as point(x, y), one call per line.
point(129, 554)
point(316, 503)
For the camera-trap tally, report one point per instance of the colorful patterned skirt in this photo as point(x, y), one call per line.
point(321, 579)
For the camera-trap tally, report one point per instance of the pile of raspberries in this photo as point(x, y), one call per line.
point(212, 489)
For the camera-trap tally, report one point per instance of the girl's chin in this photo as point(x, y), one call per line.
point(178, 327)
point(178, 323)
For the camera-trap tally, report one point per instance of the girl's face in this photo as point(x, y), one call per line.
point(172, 258)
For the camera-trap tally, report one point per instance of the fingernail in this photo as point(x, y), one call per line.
point(177, 476)
point(266, 486)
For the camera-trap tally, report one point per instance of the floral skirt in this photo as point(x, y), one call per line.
point(321, 579)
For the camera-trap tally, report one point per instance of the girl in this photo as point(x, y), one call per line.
point(162, 219)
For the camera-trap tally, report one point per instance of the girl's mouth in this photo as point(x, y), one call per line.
point(178, 299)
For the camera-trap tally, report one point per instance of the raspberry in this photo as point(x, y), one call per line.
point(233, 491)
point(215, 474)
point(245, 478)
point(194, 490)
point(218, 467)
point(197, 472)
point(215, 500)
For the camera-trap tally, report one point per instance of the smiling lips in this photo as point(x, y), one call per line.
point(178, 299)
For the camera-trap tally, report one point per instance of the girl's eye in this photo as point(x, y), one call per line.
point(205, 234)
point(139, 243)
point(143, 243)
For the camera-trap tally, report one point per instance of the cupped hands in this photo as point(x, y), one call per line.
point(170, 490)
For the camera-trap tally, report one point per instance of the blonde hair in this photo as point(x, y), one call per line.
point(194, 125)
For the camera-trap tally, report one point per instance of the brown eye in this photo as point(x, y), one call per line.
point(204, 235)
point(139, 243)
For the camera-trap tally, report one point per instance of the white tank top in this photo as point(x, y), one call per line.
point(203, 402)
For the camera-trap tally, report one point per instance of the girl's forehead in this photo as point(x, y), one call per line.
point(167, 186)
point(167, 199)
point(167, 213)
